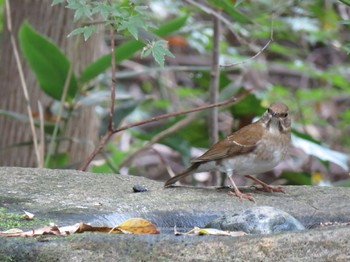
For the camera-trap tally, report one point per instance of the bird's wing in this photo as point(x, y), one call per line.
point(241, 142)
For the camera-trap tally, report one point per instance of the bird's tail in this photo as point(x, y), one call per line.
point(183, 174)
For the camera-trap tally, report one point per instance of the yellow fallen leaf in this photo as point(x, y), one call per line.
point(138, 226)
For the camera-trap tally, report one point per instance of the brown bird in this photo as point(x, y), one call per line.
point(253, 149)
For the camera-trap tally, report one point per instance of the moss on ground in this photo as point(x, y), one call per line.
point(10, 220)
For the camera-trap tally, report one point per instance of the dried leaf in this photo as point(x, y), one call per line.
point(46, 230)
point(28, 215)
point(130, 226)
point(218, 232)
point(196, 231)
point(12, 231)
point(81, 228)
point(138, 226)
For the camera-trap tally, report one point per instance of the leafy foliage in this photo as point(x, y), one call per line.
point(306, 66)
point(51, 68)
point(124, 16)
point(49, 64)
point(158, 50)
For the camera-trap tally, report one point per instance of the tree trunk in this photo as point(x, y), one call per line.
point(56, 23)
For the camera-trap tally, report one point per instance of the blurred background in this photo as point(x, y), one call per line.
point(296, 52)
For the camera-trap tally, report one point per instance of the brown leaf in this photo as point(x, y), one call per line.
point(138, 226)
point(81, 228)
point(130, 226)
point(46, 230)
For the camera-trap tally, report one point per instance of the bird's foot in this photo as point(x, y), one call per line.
point(270, 189)
point(239, 194)
point(265, 187)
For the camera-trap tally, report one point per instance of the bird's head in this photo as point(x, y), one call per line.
point(276, 118)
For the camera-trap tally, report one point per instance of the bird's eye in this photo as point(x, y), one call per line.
point(285, 115)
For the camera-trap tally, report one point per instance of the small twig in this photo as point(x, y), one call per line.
point(229, 25)
point(164, 163)
point(259, 52)
point(174, 128)
point(113, 84)
point(24, 85)
point(59, 116)
point(250, 58)
point(214, 90)
point(99, 147)
point(217, 15)
point(165, 116)
point(42, 135)
point(109, 133)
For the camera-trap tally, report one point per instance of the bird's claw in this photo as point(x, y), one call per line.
point(239, 194)
point(269, 189)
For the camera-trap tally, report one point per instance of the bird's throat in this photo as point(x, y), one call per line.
point(274, 126)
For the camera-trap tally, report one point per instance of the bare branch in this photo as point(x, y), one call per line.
point(109, 133)
point(174, 128)
point(113, 84)
point(200, 108)
point(99, 147)
point(41, 134)
point(214, 89)
point(250, 58)
point(259, 52)
point(214, 83)
point(218, 15)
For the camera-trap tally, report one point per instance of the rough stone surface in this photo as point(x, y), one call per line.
point(65, 197)
point(258, 220)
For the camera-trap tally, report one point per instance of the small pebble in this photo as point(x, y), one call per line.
point(139, 188)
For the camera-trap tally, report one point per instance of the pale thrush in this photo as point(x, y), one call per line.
point(253, 149)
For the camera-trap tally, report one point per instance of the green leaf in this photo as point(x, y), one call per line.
point(49, 64)
point(82, 9)
point(104, 9)
point(127, 50)
point(14, 115)
point(86, 31)
point(347, 2)
point(346, 48)
point(132, 24)
point(345, 22)
point(159, 51)
point(250, 105)
point(56, 2)
point(179, 145)
point(122, 110)
point(48, 126)
point(102, 169)
point(58, 161)
point(294, 178)
point(230, 8)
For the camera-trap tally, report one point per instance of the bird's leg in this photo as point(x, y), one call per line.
point(238, 193)
point(264, 186)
